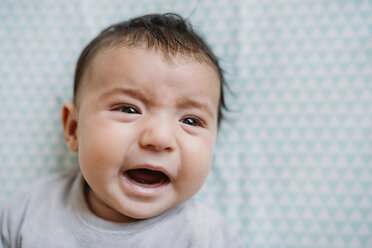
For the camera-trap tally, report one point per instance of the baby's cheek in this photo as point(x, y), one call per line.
point(195, 169)
point(97, 146)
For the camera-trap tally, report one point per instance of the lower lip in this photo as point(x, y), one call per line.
point(149, 190)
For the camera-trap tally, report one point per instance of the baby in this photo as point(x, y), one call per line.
point(148, 100)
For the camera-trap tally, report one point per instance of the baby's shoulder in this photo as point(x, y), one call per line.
point(202, 213)
point(210, 225)
point(30, 206)
point(44, 184)
point(35, 193)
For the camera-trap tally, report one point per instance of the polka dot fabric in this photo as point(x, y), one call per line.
point(293, 162)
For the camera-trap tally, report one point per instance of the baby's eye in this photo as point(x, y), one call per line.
point(127, 109)
point(192, 121)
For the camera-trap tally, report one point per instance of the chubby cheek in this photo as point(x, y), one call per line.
point(99, 145)
point(196, 164)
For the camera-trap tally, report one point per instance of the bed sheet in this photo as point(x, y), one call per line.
point(293, 162)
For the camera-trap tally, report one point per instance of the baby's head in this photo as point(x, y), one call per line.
point(168, 34)
point(148, 100)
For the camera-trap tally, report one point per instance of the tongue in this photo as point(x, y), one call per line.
point(146, 176)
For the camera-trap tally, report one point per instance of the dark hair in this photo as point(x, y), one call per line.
point(169, 33)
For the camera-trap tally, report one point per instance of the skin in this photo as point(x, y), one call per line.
point(136, 109)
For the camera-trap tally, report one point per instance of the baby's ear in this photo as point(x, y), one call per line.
point(69, 123)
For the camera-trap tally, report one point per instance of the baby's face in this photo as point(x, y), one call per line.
point(146, 129)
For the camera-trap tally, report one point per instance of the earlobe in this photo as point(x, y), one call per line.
point(69, 123)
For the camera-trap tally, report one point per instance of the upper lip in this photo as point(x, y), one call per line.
point(152, 167)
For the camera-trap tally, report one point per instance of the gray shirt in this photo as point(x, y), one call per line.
point(54, 213)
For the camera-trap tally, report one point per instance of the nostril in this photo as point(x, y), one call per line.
point(158, 147)
point(168, 149)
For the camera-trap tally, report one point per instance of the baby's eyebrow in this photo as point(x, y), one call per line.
point(190, 103)
point(126, 91)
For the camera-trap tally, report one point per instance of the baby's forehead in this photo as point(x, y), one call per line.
point(167, 55)
point(108, 54)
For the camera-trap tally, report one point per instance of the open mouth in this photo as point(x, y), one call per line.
point(147, 177)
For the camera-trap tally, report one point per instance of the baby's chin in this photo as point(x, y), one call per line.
point(144, 211)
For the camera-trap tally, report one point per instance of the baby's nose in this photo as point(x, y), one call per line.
point(158, 135)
